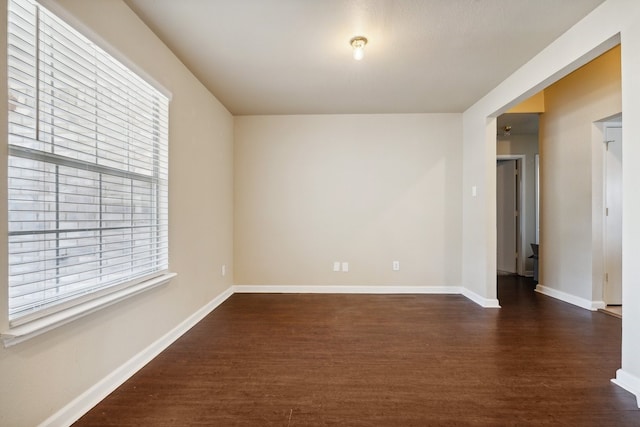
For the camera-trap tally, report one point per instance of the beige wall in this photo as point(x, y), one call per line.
point(366, 189)
point(567, 150)
point(40, 376)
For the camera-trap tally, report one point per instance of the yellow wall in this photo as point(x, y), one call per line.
point(569, 171)
point(40, 376)
point(534, 104)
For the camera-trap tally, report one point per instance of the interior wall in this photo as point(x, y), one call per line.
point(613, 21)
point(567, 177)
point(43, 374)
point(629, 374)
point(363, 189)
point(526, 145)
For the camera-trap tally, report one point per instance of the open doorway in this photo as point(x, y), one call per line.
point(517, 148)
point(571, 228)
point(612, 217)
point(507, 214)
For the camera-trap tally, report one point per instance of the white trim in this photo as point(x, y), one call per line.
point(536, 177)
point(604, 146)
point(390, 290)
point(270, 289)
point(480, 300)
point(91, 397)
point(571, 299)
point(629, 382)
point(39, 326)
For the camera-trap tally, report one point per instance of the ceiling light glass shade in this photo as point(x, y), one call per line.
point(358, 44)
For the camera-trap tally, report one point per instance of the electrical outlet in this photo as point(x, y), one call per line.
point(336, 266)
point(396, 266)
point(224, 270)
point(345, 267)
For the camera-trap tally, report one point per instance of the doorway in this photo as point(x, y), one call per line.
point(612, 285)
point(507, 209)
point(517, 144)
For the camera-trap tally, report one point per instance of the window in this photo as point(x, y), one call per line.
point(88, 169)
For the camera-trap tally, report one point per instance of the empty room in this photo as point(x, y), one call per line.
point(286, 212)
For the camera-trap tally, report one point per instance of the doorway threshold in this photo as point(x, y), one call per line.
point(612, 310)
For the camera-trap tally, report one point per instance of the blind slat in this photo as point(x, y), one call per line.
point(27, 261)
point(88, 167)
point(123, 263)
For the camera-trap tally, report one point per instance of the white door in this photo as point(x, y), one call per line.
point(507, 223)
point(613, 217)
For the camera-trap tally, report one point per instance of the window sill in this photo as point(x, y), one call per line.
point(32, 329)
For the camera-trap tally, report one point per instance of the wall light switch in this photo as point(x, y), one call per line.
point(396, 265)
point(474, 191)
point(345, 267)
point(336, 266)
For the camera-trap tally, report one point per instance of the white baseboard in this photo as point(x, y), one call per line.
point(629, 382)
point(269, 289)
point(480, 300)
point(87, 400)
point(456, 290)
point(571, 299)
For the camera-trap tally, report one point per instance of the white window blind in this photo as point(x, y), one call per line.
point(88, 169)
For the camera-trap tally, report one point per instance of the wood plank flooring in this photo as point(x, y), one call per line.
point(383, 360)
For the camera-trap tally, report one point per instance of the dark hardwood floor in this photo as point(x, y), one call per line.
point(383, 360)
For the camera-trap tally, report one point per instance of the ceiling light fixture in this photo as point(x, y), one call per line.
point(358, 43)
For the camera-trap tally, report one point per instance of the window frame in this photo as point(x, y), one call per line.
point(32, 324)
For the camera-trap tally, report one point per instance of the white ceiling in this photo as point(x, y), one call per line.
point(294, 57)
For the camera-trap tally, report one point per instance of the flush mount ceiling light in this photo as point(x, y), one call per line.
point(358, 43)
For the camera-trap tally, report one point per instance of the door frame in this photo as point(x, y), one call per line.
point(522, 214)
point(609, 124)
